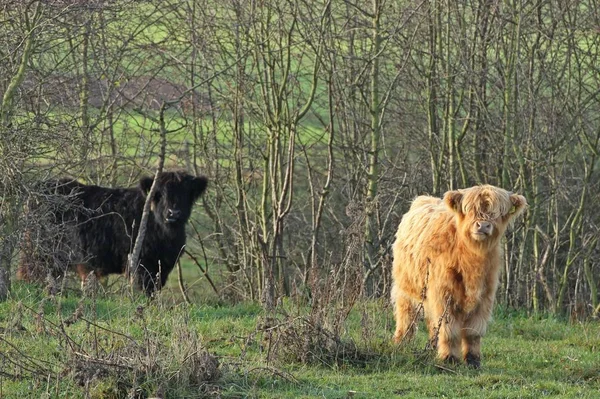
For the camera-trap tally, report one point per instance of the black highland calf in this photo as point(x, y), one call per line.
point(93, 229)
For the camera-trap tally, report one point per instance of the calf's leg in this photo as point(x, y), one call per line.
point(474, 328)
point(405, 314)
point(444, 328)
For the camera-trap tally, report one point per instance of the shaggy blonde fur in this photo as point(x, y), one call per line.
point(447, 256)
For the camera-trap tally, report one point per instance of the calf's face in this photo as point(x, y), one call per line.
point(484, 212)
point(174, 197)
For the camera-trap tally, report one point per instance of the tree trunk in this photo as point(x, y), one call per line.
point(6, 253)
point(373, 170)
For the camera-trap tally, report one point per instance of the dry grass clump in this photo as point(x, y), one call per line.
point(300, 339)
point(141, 355)
point(130, 372)
point(153, 365)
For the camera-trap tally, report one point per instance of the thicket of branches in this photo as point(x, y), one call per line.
point(318, 122)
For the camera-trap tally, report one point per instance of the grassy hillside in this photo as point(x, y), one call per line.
point(108, 345)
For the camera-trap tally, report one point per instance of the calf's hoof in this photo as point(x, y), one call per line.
point(473, 361)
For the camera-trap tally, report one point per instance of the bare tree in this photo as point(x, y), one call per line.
point(318, 122)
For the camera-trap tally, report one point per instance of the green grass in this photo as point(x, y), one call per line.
point(524, 357)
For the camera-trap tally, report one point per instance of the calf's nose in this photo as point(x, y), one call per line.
point(173, 213)
point(484, 227)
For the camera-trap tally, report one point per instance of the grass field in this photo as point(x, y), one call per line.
point(110, 345)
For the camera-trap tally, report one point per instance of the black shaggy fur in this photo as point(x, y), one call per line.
point(97, 227)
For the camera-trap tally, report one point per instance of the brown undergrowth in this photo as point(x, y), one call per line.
point(138, 358)
point(313, 333)
point(300, 339)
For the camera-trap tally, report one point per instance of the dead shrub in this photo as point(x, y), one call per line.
point(108, 362)
point(299, 339)
point(154, 365)
point(128, 373)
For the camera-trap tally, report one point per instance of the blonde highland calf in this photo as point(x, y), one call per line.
point(447, 257)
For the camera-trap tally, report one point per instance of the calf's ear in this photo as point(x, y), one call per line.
point(453, 200)
point(519, 204)
point(145, 184)
point(198, 186)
